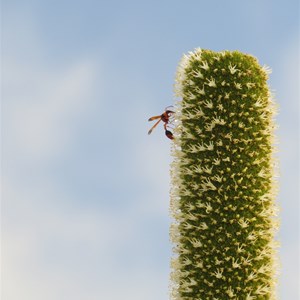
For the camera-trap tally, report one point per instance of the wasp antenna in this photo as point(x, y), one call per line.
point(170, 106)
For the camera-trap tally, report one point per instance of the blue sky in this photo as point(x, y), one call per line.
point(85, 206)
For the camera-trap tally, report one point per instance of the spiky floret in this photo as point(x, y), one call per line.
point(223, 180)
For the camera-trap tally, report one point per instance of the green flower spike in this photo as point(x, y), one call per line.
point(223, 180)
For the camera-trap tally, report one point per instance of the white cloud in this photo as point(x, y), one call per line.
point(287, 95)
point(38, 120)
point(42, 100)
point(54, 251)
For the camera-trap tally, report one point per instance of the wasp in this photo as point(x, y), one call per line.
point(166, 118)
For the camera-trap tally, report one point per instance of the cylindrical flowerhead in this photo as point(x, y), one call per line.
point(223, 180)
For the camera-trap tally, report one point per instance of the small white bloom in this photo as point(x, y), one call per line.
point(186, 261)
point(211, 82)
point(208, 104)
point(249, 297)
point(199, 264)
point(189, 95)
point(219, 121)
point(262, 290)
point(203, 226)
point(198, 169)
point(204, 65)
point(220, 107)
point(251, 276)
point(232, 68)
point(218, 262)
point(190, 82)
point(210, 146)
point(209, 127)
point(219, 143)
point(251, 237)
point(198, 130)
point(240, 249)
point(243, 223)
point(250, 85)
point(230, 292)
point(198, 112)
point(228, 136)
point(238, 86)
point(218, 178)
point(241, 125)
point(208, 207)
point(258, 103)
point(197, 74)
point(207, 170)
point(267, 69)
point(218, 273)
point(191, 217)
point(196, 243)
point(262, 173)
point(227, 95)
point(235, 264)
point(216, 161)
point(200, 91)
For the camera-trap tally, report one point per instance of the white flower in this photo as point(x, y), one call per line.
point(262, 290)
point(227, 95)
point(217, 161)
point(211, 82)
point(199, 264)
point(267, 69)
point(196, 243)
point(230, 292)
point(204, 65)
point(250, 85)
point(251, 276)
point(198, 112)
point(198, 169)
point(251, 237)
point(262, 173)
point(218, 262)
point(249, 297)
point(210, 146)
point(238, 86)
point(218, 178)
point(207, 170)
point(218, 273)
point(243, 223)
point(208, 207)
point(191, 96)
point(258, 103)
point(220, 107)
point(200, 91)
point(197, 74)
point(209, 127)
point(240, 249)
point(203, 226)
point(235, 264)
point(232, 68)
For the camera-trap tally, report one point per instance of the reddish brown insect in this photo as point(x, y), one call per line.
point(165, 117)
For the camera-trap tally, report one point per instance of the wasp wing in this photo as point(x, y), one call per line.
point(149, 132)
